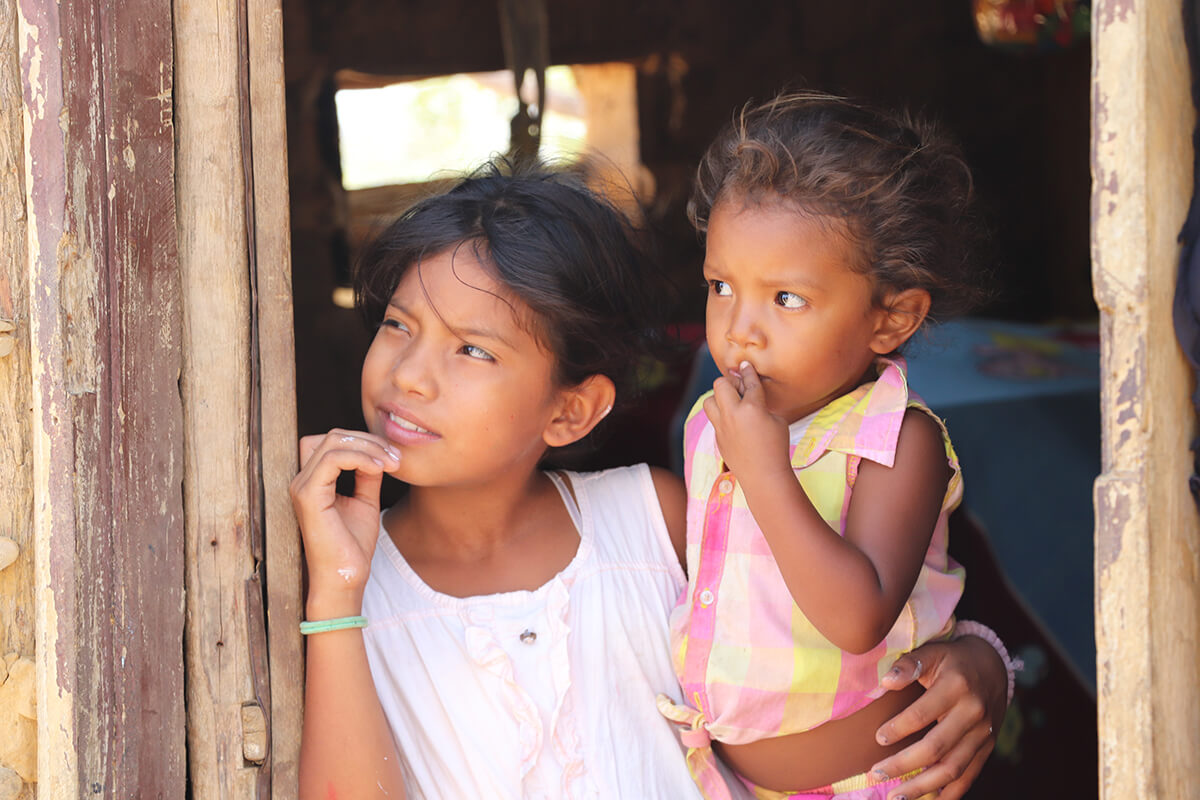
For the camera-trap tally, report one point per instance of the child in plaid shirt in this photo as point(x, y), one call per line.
point(818, 486)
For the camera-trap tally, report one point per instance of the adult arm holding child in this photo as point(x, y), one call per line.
point(347, 750)
point(965, 702)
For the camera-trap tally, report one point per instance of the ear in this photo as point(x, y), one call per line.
point(899, 318)
point(581, 408)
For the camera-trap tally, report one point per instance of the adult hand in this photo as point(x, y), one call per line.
point(965, 701)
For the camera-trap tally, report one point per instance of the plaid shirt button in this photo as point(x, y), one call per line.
point(706, 598)
point(725, 486)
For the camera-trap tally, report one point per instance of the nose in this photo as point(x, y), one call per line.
point(744, 328)
point(414, 370)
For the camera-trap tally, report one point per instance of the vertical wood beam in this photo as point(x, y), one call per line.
point(17, 628)
point(18, 750)
point(216, 396)
point(239, 398)
point(1147, 532)
point(105, 348)
point(277, 371)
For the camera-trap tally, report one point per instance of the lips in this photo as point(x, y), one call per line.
point(403, 427)
point(408, 426)
point(735, 372)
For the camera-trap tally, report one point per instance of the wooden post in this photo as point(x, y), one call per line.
point(104, 322)
point(277, 373)
point(1147, 558)
point(239, 402)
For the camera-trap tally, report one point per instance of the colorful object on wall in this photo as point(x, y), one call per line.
point(1032, 25)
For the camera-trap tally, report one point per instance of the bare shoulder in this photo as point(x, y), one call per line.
point(921, 441)
point(672, 498)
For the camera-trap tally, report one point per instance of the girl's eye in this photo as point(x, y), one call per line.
point(476, 352)
point(790, 300)
point(720, 288)
point(394, 323)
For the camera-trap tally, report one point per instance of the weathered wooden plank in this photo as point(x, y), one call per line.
point(211, 213)
point(105, 344)
point(18, 750)
point(53, 435)
point(1146, 557)
point(278, 389)
point(16, 390)
point(141, 743)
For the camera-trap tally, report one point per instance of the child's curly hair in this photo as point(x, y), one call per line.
point(901, 188)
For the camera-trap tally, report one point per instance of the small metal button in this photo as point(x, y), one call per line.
point(528, 637)
point(706, 598)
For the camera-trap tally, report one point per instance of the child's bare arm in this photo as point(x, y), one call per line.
point(347, 750)
point(851, 588)
point(672, 499)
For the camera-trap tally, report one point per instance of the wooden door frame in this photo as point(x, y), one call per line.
point(244, 656)
point(1147, 527)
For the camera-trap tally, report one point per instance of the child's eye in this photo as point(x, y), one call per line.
point(790, 300)
point(720, 288)
point(394, 323)
point(476, 352)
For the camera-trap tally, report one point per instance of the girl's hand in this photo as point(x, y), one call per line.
point(749, 436)
point(966, 696)
point(339, 531)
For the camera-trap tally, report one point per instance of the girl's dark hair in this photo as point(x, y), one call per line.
point(560, 249)
point(899, 187)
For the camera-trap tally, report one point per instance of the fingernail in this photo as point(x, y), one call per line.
point(377, 461)
point(394, 454)
point(879, 774)
point(881, 738)
point(894, 672)
point(743, 365)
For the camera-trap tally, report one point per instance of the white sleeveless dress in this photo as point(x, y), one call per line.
point(547, 693)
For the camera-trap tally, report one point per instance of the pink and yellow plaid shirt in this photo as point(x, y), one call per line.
point(750, 664)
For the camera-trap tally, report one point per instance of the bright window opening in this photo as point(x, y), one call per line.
point(419, 130)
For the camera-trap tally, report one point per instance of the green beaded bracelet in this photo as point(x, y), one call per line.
point(338, 624)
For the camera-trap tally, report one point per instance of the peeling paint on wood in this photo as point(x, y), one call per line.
point(1147, 592)
point(53, 444)
point(104, 326)
point(1111, 11)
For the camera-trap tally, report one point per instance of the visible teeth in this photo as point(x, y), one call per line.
point(408, 426)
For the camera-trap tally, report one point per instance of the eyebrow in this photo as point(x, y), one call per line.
point(461, 331)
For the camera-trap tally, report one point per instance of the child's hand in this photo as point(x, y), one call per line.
point(752, 440)
point(339, 531)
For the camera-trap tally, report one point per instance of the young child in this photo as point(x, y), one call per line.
point(517, 634)
point(819, 486)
